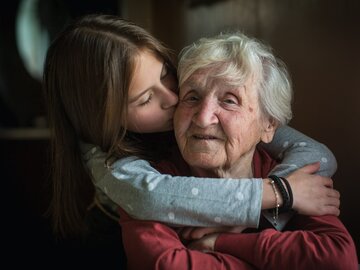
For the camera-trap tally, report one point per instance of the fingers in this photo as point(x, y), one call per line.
point(328, 182)
point(310, 168)
point(236, 229)
point(333, 193)
point(330, 204)
point(206, 243)
point(335, 202)
point(197, 245)
point(184, 232)
point(333, 198)
point(330, 210)
point(191, 233)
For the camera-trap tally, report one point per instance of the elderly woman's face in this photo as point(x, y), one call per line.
point(218, 125)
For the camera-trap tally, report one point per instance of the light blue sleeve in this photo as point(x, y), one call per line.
point(296, 150)
point(187, 201)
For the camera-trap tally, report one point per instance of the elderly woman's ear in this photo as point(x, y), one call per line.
point(269, 127)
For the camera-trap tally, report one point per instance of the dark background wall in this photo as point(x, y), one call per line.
point(24, 151)
point(318, 40)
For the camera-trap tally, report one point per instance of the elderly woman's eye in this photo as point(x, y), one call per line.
point(230, 101)
point(191, 99)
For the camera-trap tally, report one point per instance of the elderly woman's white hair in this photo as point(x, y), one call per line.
point(239, 58)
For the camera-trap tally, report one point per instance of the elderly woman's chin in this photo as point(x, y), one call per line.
point(204, 160)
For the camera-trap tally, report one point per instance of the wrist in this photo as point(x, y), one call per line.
point(284, 189)
point(290, 202)
point(268, 201)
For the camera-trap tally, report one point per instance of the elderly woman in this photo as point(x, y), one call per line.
point(233, 95)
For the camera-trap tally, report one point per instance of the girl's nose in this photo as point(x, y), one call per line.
point(170, 99)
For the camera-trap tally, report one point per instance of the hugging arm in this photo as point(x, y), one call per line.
point(160, 248)
point(189, 201)
point(296, 150)
point(146, 194)
point(311, 243)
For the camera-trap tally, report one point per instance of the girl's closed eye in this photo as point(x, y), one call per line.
point(147, 101)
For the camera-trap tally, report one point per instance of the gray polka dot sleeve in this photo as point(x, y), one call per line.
point(296, 150)
point(189, 201)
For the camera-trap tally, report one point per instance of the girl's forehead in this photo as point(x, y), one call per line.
point(147, 71)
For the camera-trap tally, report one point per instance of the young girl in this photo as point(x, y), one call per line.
point(109, 84)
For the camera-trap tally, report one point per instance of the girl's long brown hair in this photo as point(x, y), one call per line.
point(87, 73)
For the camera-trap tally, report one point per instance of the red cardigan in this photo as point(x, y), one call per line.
point(306, 242)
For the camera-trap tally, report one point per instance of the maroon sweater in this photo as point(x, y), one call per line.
point(306, 242)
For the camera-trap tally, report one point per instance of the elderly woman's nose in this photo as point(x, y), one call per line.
point(205, 115)
point(169, 98)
